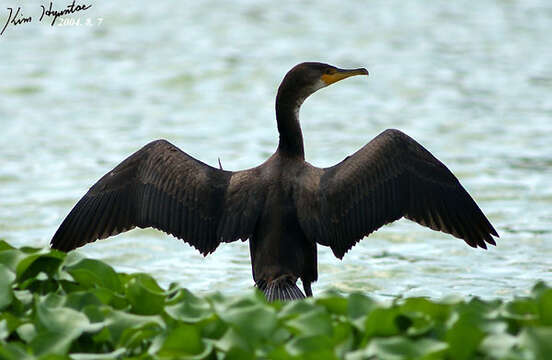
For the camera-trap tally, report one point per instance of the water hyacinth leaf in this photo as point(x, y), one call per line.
point(52, 300)
point(432, 309)
point(14, 351)
point(6, 293)
point(521, 309)
point(48, 263)
point(10, 258)
point(280, 336)
point(4, 245)
point(538, 341)
point(233, 340)
point(136, 337)
point(295, 308)
point(420, 323)
point(400, 347)
point(382, 322)
point(499, 346)
point(12, 322)
point(538, 288)
point(315, 322)
point(189, 308)
point(52, 357)
point(80, 299)
point(184, 342)
point(119, 321)
point(93, 273)
point(49, 342)
point(117, 354)
point(464, 335)
point(241, 319)
point(25, 297)
point(72, 257)
point(359, 305)
point(239, 354)
point(60, 324)
point(335, 304)
point(144, 295)
point(26, 332)
point(544, 303)
point(311, 347)
point(4, 329)
point(343, 338)
point(50, 315)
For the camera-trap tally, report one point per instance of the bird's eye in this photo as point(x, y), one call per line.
point(329, 71)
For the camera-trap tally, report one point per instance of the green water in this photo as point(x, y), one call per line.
point(471, 81)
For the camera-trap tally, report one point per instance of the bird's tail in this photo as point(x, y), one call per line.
point(282, 288)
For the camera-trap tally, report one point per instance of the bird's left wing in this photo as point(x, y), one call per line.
point(390, 177)
point(165, 188)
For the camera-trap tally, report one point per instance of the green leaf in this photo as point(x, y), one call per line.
point(4, 330)
point(49, 342)
point(233, 340)
point(311, 347)
point(117, 322)
point(252, 321)
point(335, 304)
point(193, 347)
point(14, 351)
point(35, 263)
point(144, 295)
point(57, 326)
point(189, 308)
point(498, 346)
point(10, 258)
point(436, 311)
point(521, 309)
point(315, 322)
point(544, 304)
point(27, 332)
point(4, 246)
point(80, 299)
point(400, 347)
point(382, 322)
point(464, 335)
point(6, 293)
point(60, 319)
point(295, 308)
point(419, 324)
point(93, 273)
point(11, 322)
point(538, 341)
point(117, 354)
point(359, 305)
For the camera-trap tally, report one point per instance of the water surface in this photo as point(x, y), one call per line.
point(471, 81)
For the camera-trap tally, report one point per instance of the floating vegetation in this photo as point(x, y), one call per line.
point(58, 306)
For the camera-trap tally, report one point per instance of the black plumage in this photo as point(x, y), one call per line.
point(285, 206)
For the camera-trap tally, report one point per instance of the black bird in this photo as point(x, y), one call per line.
point(284, 206)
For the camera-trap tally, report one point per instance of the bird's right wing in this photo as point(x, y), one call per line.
point(165, 188)
point(390, 177)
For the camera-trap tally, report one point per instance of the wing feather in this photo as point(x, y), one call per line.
point(390, 177)
point(160, 186)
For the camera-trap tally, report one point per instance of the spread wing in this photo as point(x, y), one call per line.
point(390, 177)
point(163, 187)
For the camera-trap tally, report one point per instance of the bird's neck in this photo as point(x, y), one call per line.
point(287, 117)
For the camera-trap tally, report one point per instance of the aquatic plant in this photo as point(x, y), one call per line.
point(58, 306)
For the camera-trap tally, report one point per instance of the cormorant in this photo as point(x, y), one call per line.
point(285, 206)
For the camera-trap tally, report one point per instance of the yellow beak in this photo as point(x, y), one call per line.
point(341, 74)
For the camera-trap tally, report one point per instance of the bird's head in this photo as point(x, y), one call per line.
point(305, 78)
